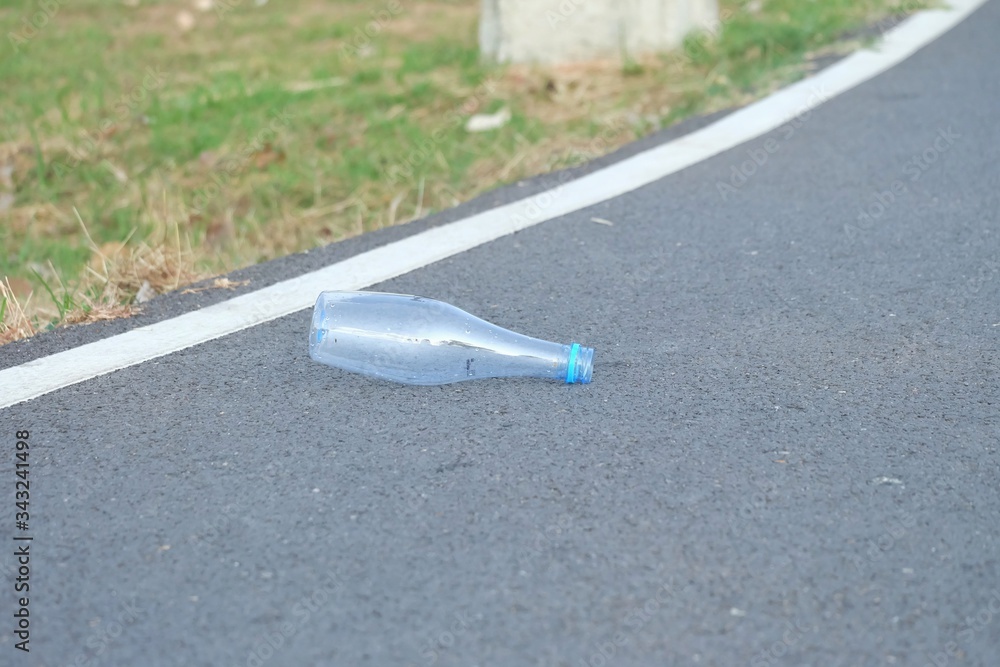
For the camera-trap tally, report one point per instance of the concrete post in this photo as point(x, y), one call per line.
point(553, 31)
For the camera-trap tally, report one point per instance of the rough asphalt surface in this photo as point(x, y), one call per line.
point(788, 455)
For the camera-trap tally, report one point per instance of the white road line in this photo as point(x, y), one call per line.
point(41, 376)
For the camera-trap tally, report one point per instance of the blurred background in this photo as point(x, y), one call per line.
point(146, 145)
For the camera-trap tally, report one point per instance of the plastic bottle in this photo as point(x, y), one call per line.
point(416, 340)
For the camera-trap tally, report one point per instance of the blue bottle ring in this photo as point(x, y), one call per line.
point(574, 349)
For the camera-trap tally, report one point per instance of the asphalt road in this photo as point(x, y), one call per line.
point(787, 456)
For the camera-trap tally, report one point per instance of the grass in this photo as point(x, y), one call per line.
point(146, 145)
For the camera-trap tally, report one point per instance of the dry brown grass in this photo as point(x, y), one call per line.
point(118, 278)
point(14, 323)
point(138, 271)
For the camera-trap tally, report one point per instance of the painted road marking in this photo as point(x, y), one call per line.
point(41, 376)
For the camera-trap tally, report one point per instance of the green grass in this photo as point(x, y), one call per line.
point(152, 133)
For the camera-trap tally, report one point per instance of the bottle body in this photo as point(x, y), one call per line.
point(416, 340)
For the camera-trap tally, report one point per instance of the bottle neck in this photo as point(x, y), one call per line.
point(572, 364)
point(579, 363)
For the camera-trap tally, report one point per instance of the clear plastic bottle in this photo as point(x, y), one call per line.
point(416, 340)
